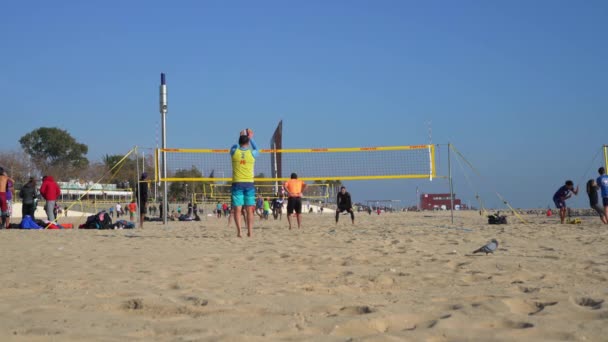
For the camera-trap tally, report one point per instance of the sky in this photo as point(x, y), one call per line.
point(519, 87)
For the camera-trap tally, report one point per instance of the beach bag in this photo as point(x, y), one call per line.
point(497, 219)
point(101, 220)
point(123, 224)
point(28, 223)
point(184, 217)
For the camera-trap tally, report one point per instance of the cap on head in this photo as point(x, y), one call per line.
point(601, 170)
point(294, 176)
point(144, 176)
point(243, 140)
point(569, 183)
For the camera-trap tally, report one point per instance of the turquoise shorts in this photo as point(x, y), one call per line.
point(243, 194)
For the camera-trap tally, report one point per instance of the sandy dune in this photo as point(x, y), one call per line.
point(393, 277)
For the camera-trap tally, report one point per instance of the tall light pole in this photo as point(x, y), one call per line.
point(163, 115)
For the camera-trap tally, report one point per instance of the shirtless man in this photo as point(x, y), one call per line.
point(4, 179)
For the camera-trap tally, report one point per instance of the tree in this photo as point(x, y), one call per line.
point(183, 190)
point(17, 165)
point(54, 151)
point(124, 175)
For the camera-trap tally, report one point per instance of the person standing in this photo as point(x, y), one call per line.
point(294, 188)
point(277, 207)
point(243, 158)
point(594, 201)
point(132, 207)
point(561, 195)
point(266, 208)
point(143, 198)
point(602, 182)
point(118, 210)
point(50, 192)
point(28, 198)
point(345, 204)
point(10, 193)
point(3, 203)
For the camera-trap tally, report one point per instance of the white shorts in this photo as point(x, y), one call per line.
point(9, 208)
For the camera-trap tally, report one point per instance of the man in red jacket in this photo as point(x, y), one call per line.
point(50, 192)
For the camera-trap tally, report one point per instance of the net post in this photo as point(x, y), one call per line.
point(431, 162)
point(137, 186)
point(163, 114)
point(451, 184)
point(606, 156)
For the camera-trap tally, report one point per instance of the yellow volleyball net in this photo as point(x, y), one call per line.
point(266, 190)
point(311, 164)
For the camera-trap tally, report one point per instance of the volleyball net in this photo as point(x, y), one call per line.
point(312, 164)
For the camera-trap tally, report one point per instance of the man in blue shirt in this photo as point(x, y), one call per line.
point(560, 197)
point(602, 182)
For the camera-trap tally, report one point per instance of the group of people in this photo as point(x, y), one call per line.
point(243, 196)
point(49, 191)
point(567, 190)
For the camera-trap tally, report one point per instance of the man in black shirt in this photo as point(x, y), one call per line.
point(344, 205)
point(143, 198)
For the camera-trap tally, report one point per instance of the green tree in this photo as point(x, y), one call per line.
point(55, 152)
point(182, 191)
point(126, 172)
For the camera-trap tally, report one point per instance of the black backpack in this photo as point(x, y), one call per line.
point(96, 221)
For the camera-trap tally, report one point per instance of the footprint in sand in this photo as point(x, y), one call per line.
point(541, 306)
point(593, 304)
point(196, 301)
point(133, 304)
point(357, 310)
point(526, 289)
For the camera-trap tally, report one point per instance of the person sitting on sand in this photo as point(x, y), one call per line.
point(594, 201)
point(560, 197)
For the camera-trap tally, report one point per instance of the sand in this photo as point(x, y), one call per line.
point(393, 277)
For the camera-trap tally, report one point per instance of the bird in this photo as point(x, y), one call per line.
point(488, 248)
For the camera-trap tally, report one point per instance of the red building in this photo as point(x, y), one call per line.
point(438, 201)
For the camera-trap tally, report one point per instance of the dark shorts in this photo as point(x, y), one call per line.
point(559, 203)
point(342, 209)
point(143, 209)
point(605, 201)
point(294, 204)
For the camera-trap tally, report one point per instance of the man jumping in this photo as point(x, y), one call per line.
point(294, 188)
point(345, 204)
point(243, 191)
point(560, 197)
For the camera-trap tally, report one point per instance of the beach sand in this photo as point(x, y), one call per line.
point(393, 277)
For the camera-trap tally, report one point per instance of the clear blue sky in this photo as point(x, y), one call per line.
point(520, 87)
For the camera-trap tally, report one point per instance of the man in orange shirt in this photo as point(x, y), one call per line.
point(294, 188)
